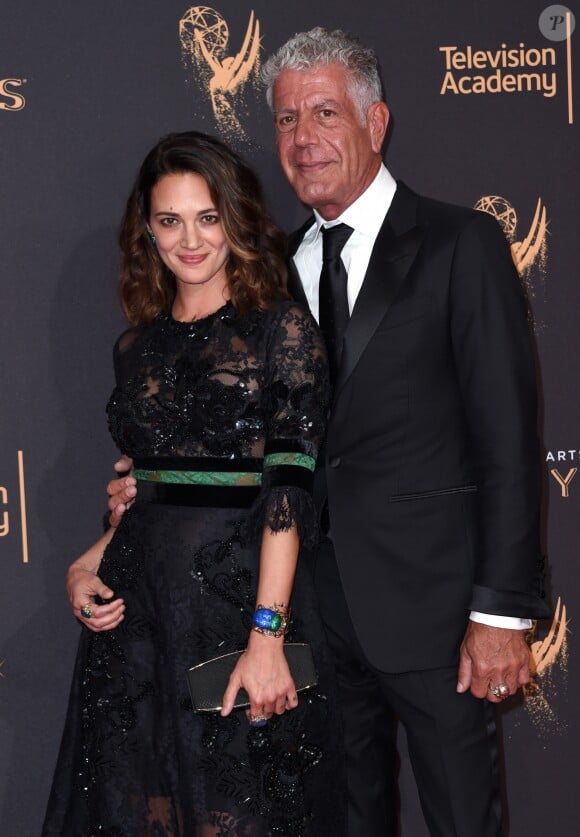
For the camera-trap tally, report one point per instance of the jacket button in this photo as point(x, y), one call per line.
point(334, 462)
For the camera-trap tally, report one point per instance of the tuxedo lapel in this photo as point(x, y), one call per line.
point(394, 252)
point(294, 284)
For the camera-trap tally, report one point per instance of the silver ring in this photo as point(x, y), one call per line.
point(86, 611)
point(502, 690)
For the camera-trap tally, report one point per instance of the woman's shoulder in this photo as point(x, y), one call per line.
point(288, 323)
point(285, 311)
point(131, 336)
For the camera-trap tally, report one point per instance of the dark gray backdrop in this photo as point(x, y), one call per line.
point(85, 90)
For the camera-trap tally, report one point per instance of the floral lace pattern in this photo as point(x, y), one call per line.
point(135, 759)
point(221, 386)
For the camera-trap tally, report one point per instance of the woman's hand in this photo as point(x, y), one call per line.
point(82, 585)
point(263, 672)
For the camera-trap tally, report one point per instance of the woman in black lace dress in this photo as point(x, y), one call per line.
point(220, 400)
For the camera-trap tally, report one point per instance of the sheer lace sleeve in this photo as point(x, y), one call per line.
point(296, 395)
point(120, 353)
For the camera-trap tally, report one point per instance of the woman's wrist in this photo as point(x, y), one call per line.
point(260, 643)
point(271, 620)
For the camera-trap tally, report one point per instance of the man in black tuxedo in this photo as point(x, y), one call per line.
point(432, 472)
point(430, 569)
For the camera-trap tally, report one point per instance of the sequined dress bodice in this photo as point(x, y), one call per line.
point(220, 387)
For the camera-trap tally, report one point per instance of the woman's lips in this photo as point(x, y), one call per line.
point(193, 260)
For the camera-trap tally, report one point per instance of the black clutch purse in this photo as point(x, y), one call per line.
point(208, 681)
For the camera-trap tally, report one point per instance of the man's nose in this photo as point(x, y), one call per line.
point(306, 131)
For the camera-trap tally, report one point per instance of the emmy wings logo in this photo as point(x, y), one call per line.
point(530, 252)
point(548, 657)
point(227, 77)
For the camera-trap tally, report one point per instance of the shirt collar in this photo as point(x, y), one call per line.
point(362, 215)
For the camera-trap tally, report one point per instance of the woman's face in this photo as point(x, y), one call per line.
point(188, 230)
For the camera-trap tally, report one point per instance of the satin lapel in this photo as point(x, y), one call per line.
point(294, 284)
point(391, 260)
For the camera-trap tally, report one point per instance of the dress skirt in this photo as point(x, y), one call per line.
point(135, 759)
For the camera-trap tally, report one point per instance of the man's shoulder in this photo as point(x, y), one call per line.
point(444, 213)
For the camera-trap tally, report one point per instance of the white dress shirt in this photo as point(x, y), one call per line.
point(365, 216)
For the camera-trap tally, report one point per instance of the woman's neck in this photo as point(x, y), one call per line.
point(196, 303)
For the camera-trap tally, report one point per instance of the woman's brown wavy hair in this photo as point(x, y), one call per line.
point(256, 267)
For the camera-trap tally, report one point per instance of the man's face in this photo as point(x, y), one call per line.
point(327, 156)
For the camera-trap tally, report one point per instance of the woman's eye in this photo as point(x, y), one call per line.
point(167, 222)
point(210, 219)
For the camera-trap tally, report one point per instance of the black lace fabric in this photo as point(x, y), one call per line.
point(135, 760)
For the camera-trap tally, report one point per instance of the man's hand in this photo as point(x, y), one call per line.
point(490, 656)
point(121, 491)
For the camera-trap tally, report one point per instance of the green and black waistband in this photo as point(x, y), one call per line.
point(207, 481)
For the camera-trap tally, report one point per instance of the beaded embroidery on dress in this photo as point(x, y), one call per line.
point(223, 395)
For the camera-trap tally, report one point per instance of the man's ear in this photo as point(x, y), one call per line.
point(377, 122)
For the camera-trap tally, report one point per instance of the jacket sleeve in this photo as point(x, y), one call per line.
point(494, 360)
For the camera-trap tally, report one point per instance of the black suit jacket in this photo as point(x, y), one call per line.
point(432, 456)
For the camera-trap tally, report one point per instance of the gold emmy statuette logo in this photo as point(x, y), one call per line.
point(10, 99)
point(204, 37)
point(530, 254)
point(546, 656)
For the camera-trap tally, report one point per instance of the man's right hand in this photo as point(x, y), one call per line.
point(121, 491)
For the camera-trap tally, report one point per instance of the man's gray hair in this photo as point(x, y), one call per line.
point(307, 50)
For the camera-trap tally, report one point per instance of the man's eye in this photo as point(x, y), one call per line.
point(286, 122)
point(326, 113)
